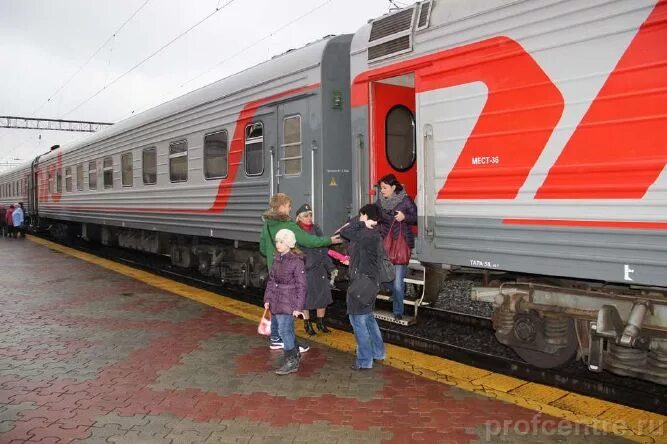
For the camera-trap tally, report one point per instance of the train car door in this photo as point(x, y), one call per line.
point(292, 155)
point(393, 131)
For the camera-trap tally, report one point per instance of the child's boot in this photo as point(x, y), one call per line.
point(291, 364)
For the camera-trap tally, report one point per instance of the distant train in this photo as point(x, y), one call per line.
point(532, 135)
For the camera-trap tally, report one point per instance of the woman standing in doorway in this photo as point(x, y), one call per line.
point(398, 214)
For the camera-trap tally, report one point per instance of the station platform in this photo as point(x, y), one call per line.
point(92, 351)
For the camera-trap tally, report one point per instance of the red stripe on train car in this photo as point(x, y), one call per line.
point(226, 185)
point(516, 83)
point(619, 150)
point(236, 149)
point(589, 223)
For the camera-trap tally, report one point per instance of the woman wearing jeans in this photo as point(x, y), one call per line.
point(399, 212)
point(365, 244)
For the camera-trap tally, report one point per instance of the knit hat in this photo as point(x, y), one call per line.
point(305, 208)
point(286, 237)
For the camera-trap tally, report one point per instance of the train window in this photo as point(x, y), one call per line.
point(107, 172)
point(126, 169)
point(50, 183)
point(254, 149)
point(291, 146)
point(178, 161)
point(59, 181)
point(79, 177)
point(400, 143)
point(68, 179)
point(92, 175)
point(215, 155)
point(149, 166)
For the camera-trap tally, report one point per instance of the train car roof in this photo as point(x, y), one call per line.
point(308, 56)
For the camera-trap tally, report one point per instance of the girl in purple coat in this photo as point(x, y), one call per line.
point(285, 295)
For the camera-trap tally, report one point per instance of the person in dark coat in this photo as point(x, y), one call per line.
point(285, 295)
point(318, 268)
point(365, 249)
point(398, 213)
point(10, 221)
point(3, 222)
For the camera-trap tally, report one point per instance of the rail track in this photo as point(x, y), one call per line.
point(450, 334)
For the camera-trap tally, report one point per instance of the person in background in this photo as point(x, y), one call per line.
point(3, 222)
point(400, 210)
point(365, 249)
point(318, 268)
point(9, 221)
point(17, 220)
point(26, 220)
point(276, 218)
point(285, 295)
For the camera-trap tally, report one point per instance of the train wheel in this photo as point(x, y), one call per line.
point(523, 329)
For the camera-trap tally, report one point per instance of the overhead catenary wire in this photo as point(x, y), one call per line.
point(84, 64)
point(257, 42)
point(146, 59)
point(241, 51)
point(79, 69)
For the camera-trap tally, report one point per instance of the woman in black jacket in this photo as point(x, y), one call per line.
point(318, 268)
point(365, 249)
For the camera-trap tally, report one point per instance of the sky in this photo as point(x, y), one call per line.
point(77, 59)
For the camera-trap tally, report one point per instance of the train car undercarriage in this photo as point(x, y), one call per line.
point(613, 328)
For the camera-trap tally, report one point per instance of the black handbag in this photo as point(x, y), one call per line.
point(387, 271)
point(363, 289)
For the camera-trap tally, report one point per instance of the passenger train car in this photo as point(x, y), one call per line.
point(530, 133)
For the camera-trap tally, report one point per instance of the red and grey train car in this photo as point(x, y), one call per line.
point(530, 133)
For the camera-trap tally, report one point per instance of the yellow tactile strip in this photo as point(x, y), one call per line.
point(633, 424)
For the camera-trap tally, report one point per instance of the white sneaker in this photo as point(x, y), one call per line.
point(276, 345)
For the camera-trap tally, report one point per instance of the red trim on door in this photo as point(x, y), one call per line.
point(386, 97)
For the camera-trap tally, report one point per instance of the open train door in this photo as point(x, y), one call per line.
point(393, 132)
point(394, 128)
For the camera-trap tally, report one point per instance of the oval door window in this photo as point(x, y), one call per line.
point(400, 138)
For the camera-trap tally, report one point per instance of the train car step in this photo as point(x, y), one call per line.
point(388, 316)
